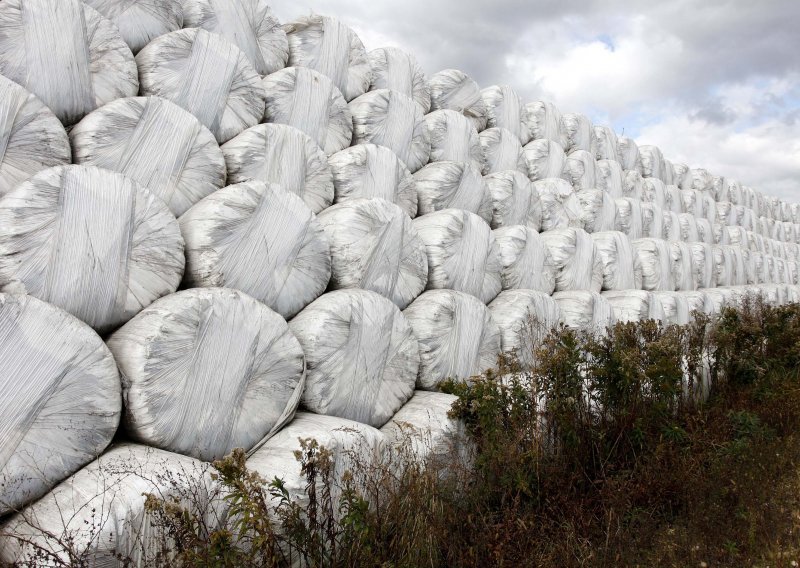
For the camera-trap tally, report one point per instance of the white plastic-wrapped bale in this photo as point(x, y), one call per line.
point(746, 217)
point(633, 184)
point(328, 46)
point(560, 205)
point(780, 271)
point(100, 515)
point(139, 23)
point(462, 253)
point(60, 401)
point(579, 132)
point(749, 267)
point(672, 226)
point(629, 156)
point(248, 24)
point(310, 102)
point(740, 270)
point(739, 237)
point(689, 232)
point(514, 200)
point(525, 318)
point(456, 334)
point(702, 180)
point(724, 265)
point(607, 143)
point(361, 354)
point(262, 240)
point(276, 153)
point(155, 143)
point(611, 178)
point(675, 306)
point(654, 191)
point(90, 241)
point(544, 159)
point(584, 310)
point(705, 231)
point(789, 232)
point(578, 264)
point(652, 162)
point(681, 176)
point(669, 174)
point(793, 294)
point(703, 267)
point(719, 188)
point(74, 70)
point(397, 70)
point(374, 246)
point(453, 185)
point(635, 306)
point(504, 110)
point(622, 268)
point(730, 190)
point(373, 172)
point(709, 207)
point(720, 298)
point(598, 210)
point(674, 198)
point(581, 170)
point(652, 221)
point(453, 138)
point(526, 261)
point(656, 258)
point(501, 151)
point(698, 301)
point(205, 371)
point(544, 122)
point(31, 136)
point(691, 202)
point(628, 218)
point(778, 231)
point(722, 234)
point(792, 272)
point(391, 119)
point(455, 90)
point(682, 266)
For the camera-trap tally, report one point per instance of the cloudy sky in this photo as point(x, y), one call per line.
point(713, 83)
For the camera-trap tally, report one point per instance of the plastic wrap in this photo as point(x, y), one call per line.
point(689, 232)
point(81, 66)
point(514, 200)
point(371, 171)
point(361, 354)
point(633, 184)
point(740, 237)
point(99, 515)
point(705, 232)
point(89, 241)
point(309, 101)
point(682, 266)
point(544, 159)
point(455, 90)
point(276, 153)
point(759, 267)
point(581, 170)
point(205, 371)
point(749, 267)
point(669, 174)
point(622, 268)
point(653, 221)
point(629, 156)
point(526, 261)
point(391, 119)
point(584, 310)
point(652, 162)
point(675, 306)
point(698, 302)
point(399, 71)
point(501, 151)
point(611, 178)
point(525, 318)
point(607, 143)
point(155, 143)
point(725, 213)
point(628, 219)
point(59, 398)
point(724, 268)
point(504, 110)
point(672, 226)
point(579, 132)
point(32, 139)
point(656, 258)
point(560, 205)
point(682, 176)
point(719, 298)
point(453, 138)
point(691, 202)
point(578, 264)
point(673, 197)
point(703, 266)
point(374, 246)
point(635, 306)
point(731, 190)
point(702, 180)
point(259, 239)
point(544, 122)
point(453, 185)
point(462, 253)
point(598, 210)
point(457, 337)
point(141, 22)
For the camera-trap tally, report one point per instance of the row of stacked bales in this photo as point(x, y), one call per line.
point(209, 221)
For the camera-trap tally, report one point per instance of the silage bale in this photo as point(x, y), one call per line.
point(702, 180)
point(675, 306)
point(205, 371)
point(309, 101)
point(544, 122)
point(720, 298)
point(656, 258)
point(583, 310)
point(525, 318)
point(681, 176)
point(374, 246)
point(742, 238)
point(67, 54)
point(139, 23)
point(581, 170)
point(607, 143)
point(262, 240)
point(391, 119)
point(633, 184)
point(689, 233)
point(629, 156)
point(544, 159)
point(611, 178)
point(598, 210)
point(722, 234)
point(248, 24)
point(456, 334)
point(730, 190)
point(560, 205)
point(462, 253)
point(705, 231)
point(526, 261)
point(622, 268)
point(726, 213)
point(32, 137)
point(691, 202)
point(453, 138)
point(90, 241)
point(635, 306)
point(578, 264)
point(674, 198)
point(579, 132)
point(682, 266)
point(698, 302)
point(514, 200)
point(361, 356)
point(759, 268)
point(155, 143)
point(628, 217)
point(668, 173)
point(724, 267)
point(501, 151)
point(399, 71)
point(703, 266)
point(504, 110)
point(652, 162)
point(61, 398)
point(672, 226)
point(453, 185)
point(653, 221)
point(280, 154)
point(749, 267)
point(455, 90)
point(373, 172)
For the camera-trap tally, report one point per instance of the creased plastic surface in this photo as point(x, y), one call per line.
point(501, 151)
point(89, 241)
point(622, 268)
point(653, 221)
point(526, 261)
point(579, 134)
point(635, 306)
point(453, 185)
point(361, 355)
point(59, 398)
point(655, 191)
point(397, 70)
point(656, 258)
point(676, 307)
point(629, 217)
point(584, 310)
point(504, 110)
point(598, 210)
point(525, 318)
point(560, 206)
point(457, 337)
point(611, 179)
point(514, 200)
point(652, 162)
point(455, 90)
point(683, 266)
point(453, 138)
point(578, 265)
point(629, 156)
point(581, 170)
point(141, 21)
point(607, 143)
point(544, 122)
point(544, 159)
